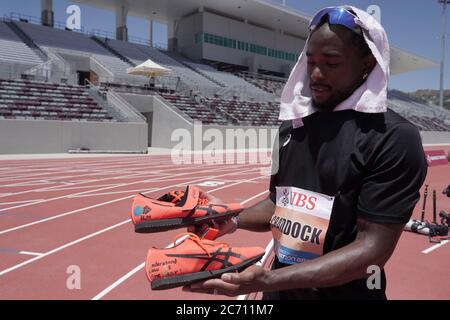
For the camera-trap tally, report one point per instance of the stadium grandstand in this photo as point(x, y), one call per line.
point(229, 61)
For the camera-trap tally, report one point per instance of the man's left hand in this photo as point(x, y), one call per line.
point(252, 279)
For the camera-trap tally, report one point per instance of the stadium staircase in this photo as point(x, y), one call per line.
point(195, 109)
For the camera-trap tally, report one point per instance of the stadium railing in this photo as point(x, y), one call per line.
point(101, 70)
point(53, 70)
point(16, 16)
point(133, 39)
point(263, 76)
point(126, 109)
point(243, 94)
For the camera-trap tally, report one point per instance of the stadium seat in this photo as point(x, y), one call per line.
point(21, 99)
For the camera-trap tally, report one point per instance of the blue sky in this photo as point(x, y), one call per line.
point(413, 25)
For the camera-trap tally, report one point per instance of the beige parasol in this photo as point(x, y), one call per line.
point(149, 69)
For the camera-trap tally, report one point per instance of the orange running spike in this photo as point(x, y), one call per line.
point(196, 259)
point(178, 209)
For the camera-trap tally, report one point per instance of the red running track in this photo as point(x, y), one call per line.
point(57, 213)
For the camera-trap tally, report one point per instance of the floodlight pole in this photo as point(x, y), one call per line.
point(444, 23)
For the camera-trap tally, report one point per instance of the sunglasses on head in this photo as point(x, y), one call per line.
point(336, 15)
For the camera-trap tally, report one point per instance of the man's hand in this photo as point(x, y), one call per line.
point(255, 218)
point(252, 279)
point(225, 227)
point(210, 198)
point(374, 244)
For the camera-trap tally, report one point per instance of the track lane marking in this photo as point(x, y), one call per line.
point(100, 189)
point(107, 202)
point(436, 246)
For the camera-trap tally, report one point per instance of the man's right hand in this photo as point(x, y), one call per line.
point(210, 198)
point(225, 227)
point(255, 218)
point(228, 226)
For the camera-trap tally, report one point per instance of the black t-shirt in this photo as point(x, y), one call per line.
point(374, 165)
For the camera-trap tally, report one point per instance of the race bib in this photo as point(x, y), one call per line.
point(299, 224)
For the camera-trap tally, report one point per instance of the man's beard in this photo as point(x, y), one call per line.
point(325, 107)
point(333, 102)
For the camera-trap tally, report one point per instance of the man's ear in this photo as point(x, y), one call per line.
point(369, 63)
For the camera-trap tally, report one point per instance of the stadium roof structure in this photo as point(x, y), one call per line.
point(263, 13)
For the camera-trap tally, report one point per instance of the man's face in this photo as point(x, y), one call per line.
point(335, 66)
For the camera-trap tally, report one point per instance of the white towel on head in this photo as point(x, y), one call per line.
point(370, 97)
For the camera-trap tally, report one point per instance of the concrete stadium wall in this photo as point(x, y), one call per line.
point(188, 27)
point(170, 128)
point(207, 137)
point(165, 119)
point(34, 136)
point(435, 137)
point(142, 103)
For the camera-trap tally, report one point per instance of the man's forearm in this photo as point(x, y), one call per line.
point(336, 268)
point(374, 245)
point(257, 217)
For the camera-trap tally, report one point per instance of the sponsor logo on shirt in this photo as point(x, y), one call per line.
point(298, 199)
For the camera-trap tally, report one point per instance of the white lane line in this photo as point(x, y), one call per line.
point(65, 188)
point(119, 281)
point(131, 273)
point(29, 253)
point(17, 202)
point(267, 250)
point(31, 171)
point(29, 184)
point(150, 190)
point(109, 193)
point(64, 196)
point(436, 246)
point(57, 187)
point(20, 265)
point(91, 161)
point(139, 267)
point(18, 177)
point(107, 202)
point(100, 189)
point(255, 196)
point(127, 176)
point(59, 216)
